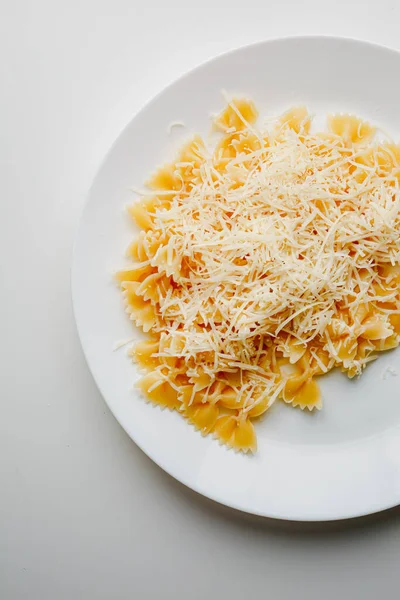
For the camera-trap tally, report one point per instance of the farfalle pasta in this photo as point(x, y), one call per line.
point(264, 260)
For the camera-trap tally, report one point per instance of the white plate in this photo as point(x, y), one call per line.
point(341, 462)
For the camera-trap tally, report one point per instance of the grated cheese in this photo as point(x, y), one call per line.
point(263, 262)
point(266, 255)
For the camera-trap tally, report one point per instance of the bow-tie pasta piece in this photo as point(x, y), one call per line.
point(237, 116)
point(302, 391)
point(236, 432)
point(156, 389)
point(351, 129)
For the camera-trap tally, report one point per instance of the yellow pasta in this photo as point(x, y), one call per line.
point(236, 116)
point(143, 213)
point(303, 391)
point(351, 129)
point(203, 416)
point(157, 389)
point(297, 119)
point(262, 264)
point(236, 433)
point(143, 353)
point(141, 311)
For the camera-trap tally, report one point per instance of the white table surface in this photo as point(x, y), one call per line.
point(83, 513)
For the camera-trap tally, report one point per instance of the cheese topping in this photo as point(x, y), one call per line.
point(274, 248)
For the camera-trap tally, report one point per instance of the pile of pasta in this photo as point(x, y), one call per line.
point(266, 258)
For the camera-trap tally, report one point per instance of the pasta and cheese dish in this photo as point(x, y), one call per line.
point(263, 262)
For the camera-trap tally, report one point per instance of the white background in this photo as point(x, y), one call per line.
point(83, 513)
